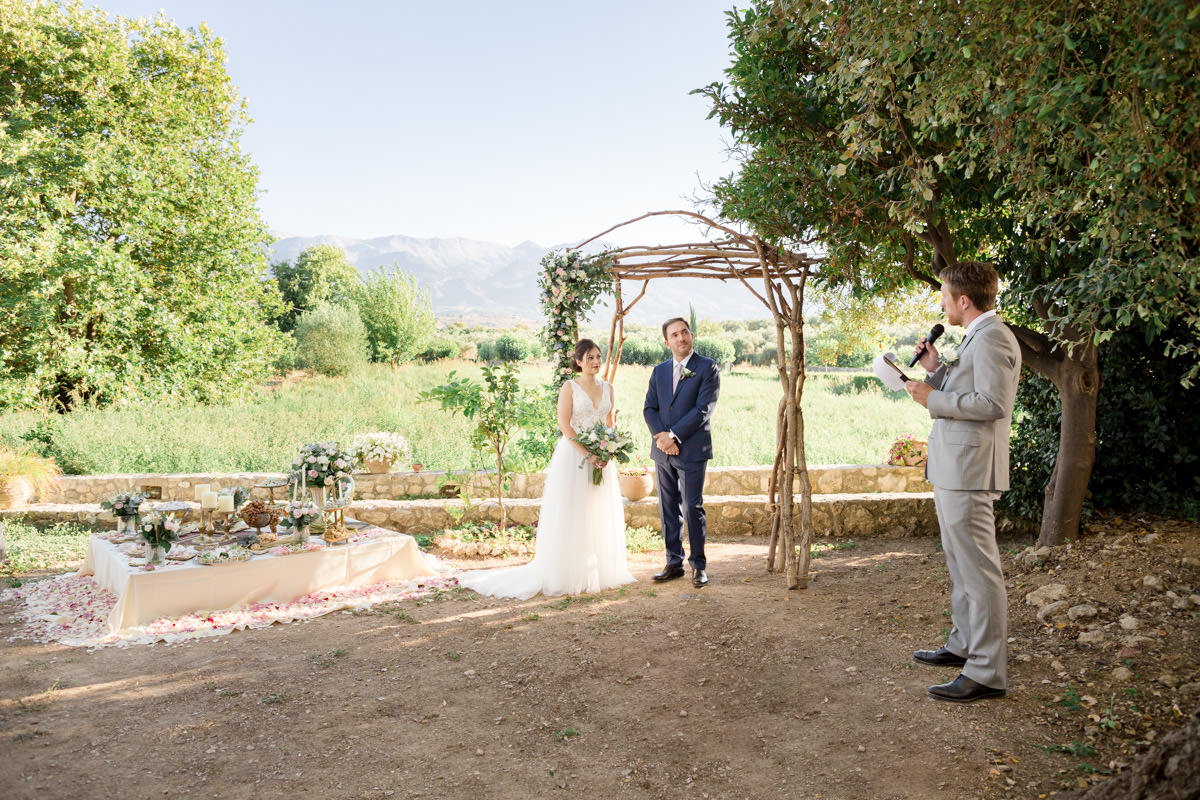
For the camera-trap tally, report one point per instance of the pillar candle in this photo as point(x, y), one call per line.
point(208, 500)
point(201, 488)
point(225, 503)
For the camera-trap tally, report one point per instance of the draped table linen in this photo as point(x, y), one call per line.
point(175, 590)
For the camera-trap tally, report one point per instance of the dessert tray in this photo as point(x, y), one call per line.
point(223, 555)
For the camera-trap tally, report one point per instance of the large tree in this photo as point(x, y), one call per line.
point(1058, 140)
point(132, 254)
point(320, 274)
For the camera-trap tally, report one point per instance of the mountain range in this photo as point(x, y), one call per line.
point(485, 282)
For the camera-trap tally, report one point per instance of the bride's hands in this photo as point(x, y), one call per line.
point(595, 462)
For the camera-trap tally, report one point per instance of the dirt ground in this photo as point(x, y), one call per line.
point(740, 690)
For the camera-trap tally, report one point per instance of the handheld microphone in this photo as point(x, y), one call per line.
point(934, 333)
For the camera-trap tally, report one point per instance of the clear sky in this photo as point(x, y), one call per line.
point(542, 120)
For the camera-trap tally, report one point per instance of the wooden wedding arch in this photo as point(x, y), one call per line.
point(782, 275)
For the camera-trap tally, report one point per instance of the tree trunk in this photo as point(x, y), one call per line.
point(500, 488)
point(1170, 770)
point(1077, 379)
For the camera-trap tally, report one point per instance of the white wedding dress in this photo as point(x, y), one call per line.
point(581, 528)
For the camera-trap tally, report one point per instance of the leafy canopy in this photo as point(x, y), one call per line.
point(131, 248)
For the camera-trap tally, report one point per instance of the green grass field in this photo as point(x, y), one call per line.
point(848, 419)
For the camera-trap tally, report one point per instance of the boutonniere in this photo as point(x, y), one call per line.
point(950, 358)
point(685, 374)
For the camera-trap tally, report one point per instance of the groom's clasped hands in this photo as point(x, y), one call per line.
point(665, 442)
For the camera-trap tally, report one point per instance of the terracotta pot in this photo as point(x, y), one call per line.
point(378, 467)
point(15, 491)
point(635, 487)
point(416, 467)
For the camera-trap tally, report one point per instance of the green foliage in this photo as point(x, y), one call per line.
point(718, 350)
point(32, 549)
point(439, 350)
point(272, 425)
point(397, 315)
point(331, 339)
point(512, 348)
point(131, 248)
point(571, 284)
point(320, 274)
point(1147, 435)
point(498, 408)
point(645, 352)
point(486, 352)
point(539, 422)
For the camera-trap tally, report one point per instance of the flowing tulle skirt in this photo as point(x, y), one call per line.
point(580, 537)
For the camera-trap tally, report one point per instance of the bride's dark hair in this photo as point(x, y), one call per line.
point(584, 347)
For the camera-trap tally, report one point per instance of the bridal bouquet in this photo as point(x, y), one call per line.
point(606, 444)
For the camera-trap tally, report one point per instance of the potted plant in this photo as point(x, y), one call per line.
point(23, 475)
point(378, 452)
point(124, 506)
point(636, 479)
point(158, 530)
point(322, 466)
point(908, 451)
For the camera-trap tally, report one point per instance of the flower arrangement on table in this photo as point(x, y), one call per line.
point(124, 504)
point(605, 444)
point(908, 451)
point(158, 530)
point(381, 447)
point(301, 514)
point(322, 464)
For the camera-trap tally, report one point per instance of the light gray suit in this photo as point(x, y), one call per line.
point(972, 407)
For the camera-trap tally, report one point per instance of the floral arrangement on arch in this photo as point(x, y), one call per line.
point(380, 446)
point(571, 283)
point(908, 451)
point(322, 464)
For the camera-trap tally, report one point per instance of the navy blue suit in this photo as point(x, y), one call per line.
point(686, 412)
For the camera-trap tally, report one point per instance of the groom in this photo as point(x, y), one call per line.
point(679, 404)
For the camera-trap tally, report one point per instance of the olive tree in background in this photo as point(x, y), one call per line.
point(397, 315)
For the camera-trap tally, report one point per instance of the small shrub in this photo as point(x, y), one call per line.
point(331, 339)
point(439, 350)
point(644, 352)
point(509, 348)
point(718, 350)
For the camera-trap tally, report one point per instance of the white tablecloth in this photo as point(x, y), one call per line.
point(180, 589)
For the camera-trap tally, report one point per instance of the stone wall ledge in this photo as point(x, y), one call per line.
point(862, 515)
point(749, 480)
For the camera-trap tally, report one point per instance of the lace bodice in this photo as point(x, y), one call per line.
point(583, 414)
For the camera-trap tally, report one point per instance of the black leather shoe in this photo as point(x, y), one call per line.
point(964, 690)
point(669, 573)
point(699, 578)
point(939, 658)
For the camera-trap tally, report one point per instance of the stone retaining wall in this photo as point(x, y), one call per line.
point(838, 515)
point(720, 481)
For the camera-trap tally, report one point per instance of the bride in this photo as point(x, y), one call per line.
point(581, 528)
